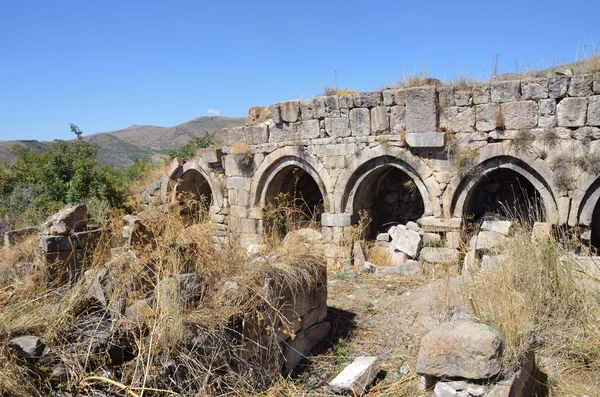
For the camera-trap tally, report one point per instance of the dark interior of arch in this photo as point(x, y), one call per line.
point(390, 197)
point(506, 193)
point(194, 195)
point(293, 199)
point(595, 228)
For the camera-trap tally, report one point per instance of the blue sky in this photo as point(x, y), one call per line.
point(105, 65)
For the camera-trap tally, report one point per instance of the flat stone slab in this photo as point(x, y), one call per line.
point(426, 139)
point(356, 377)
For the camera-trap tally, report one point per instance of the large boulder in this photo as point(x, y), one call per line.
point(72, 218)
point(461, 349)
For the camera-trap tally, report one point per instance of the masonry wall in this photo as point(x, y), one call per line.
point(445, 139)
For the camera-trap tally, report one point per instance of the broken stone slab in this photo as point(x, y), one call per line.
point(439, 255)
point(426, 139)
point(27, 346)
point(356, 377)
point(405, 240)
point(461, 349)
point(496, 224)
point(413, 226)
point(358, 254)
point(383, 237)
point(433, 224)
point(13, 237)
point(71, 219)
point(82, 240)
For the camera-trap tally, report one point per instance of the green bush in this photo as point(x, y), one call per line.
point(190, 149)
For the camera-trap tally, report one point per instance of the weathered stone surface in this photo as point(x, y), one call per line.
point(233, 135)
point(462, 98)
point(557, 86)
point(433, 224)
point(388, 98)
point(496, 224)
point(337, 127)
point(432, 239)
point(380, 121)
point(439, 255)
point(490, 262)
point(421, 109)
point(405, 240)
point(453, 239)
point(481, 93)
point(290, 111)
point(445, 97)
point(593, 117)
point(356, 377)
point(489, 241)
point(442, 389)
point(306, 129)
point(506, 91)
point(486, 117)
point(369, 267)
point(358, 254)
point(360, 122)
point(296, 350)
point(256, 134)
point(13, 237)
point(275, 113)
point(571, 112)
point(581, 85)
point(383, 237)
point(368, 99)
point(27, 346)
point(426, 139)
point(519, 115)
point(461, 349)
point(457, 119)
point(596, 84)
point(70, 219)
point(534, 88)
point(400, 97)
point(398, 119)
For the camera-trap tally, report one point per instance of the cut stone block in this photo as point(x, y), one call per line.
point(506, 91)
point(489, 241)
point(421, 109)
point(557, 86)
point(405, 240)
point(337, 126)
point(581, 86)
point(380, 121)
point(290, 111)
point(494, 224)
point(360, 122)
point(426, 139)
point(439, 255)
point(571, 112)
point(519, 115)
point(433, 224)
point(356, 377)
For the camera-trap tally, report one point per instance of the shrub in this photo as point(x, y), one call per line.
point(190, 149)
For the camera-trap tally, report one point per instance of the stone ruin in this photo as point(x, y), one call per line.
point(444, 157)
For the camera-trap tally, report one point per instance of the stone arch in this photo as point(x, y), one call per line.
point(287, 158)
point(585, 198)
point(385, 177)
point(461, 190)
point(194, 178)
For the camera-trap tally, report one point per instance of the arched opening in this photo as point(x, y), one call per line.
point(389, 196)
point(506, 193)
point(194, 195)
point(595, 228)
point(293, 200)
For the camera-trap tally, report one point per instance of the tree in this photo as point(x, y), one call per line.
point(190, 149)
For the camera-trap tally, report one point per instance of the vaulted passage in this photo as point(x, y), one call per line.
point(506, 193)
point(389, 197)
point(293, 200)
point(595, 228)
point(194, 195)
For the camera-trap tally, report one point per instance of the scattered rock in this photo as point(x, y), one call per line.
point(489, 241)
point(442, 389)
point(369, 267)
point(496, 224)
point(383, 237)
point(27, 346)
point(462, 349)
point(356, 377)
point(407, 241)
point(490, 262)
point(439, 255)
point(358, 254)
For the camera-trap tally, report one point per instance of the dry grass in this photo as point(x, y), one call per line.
point(592, 65)
point(539, 298)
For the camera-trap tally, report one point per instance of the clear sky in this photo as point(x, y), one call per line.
point(105, 65)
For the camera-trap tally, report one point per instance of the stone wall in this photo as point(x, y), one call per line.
point(452, 143)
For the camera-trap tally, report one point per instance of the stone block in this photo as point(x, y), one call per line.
point(458, 119)
point(233, 135)
point(210, 155)
point(581, 85)
point(314, 316)
point(547, 107)
point(495, 224)
point(290, 111)
point(490, 262)
point(398, 119)
point(332, 106)
point(489, 241)
point(368, 99)
point(356, 377)
point(557, 86)
point(462, 97)
point(421, 109)
point(433, 224)
point(461, 349)
point(360, 122)
point(380, 121)
point(388, 98)
point(296, 350)
point(336, 220)
point(432, 239)
point(534, 88)
point(571, 112)
point(596, 84)
point(445, 97)
point(308, 129)
point(593, 114)
point(70, 219)
point(481, 93)
point(346, 101)
point(426, 139)
point(486, 117)
point(82, 240)
point(453, 239)
point(506, 91)
point(519, 115)
point(439, 255)
point(400, 97)
point(13, 237)
point(256, 134)
point(275, 113)
point(337, 127)
point(405, 240)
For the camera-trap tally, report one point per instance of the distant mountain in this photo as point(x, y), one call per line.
point(121, 148)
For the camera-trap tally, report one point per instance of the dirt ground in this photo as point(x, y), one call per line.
point(384, 317)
